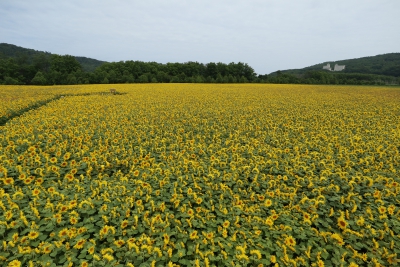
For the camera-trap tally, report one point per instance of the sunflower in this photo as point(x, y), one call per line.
point(14, 263)
point(73, 220)
point(79, 244)
point(96, 257)
point(269, 221)
point(226, 224)
point(268, 202)
point(33, 235)
point(224, 233)
point(124, 224)
point(53, 160)
point(63, 208)
point(377, 193)
point(35, 192)
point(91, 250)
point(108, 257)
point(331, 212)
point(320, 263)
point(8, 215)
point(382, 209)
point(46, 249)
point(72, 204)
point(364, 257)
point(190, 212)
point(199, 200)
point(8, 181)
point(15, 237)
point(290, 241)
point(51, 190)
point(39, 181)
point(28, 180)
point(257, 232)
point(360, 221)
point(63, 233)
point(84, 264)
point(54, 169)
point(119, 243)
point(391, 209)
point(104, 230)
point(162, 207)
point(342, 223)
point(69, 177)
point(166, 239)
point(193, 235)
point(256, 253)
point(274, 216)
point(210, 235)
point(72, 233)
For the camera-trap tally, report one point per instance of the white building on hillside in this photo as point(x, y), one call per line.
point(327, 67)
point(339, 67)
point(336, 68)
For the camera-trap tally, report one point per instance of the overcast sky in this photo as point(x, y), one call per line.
point(269, 35)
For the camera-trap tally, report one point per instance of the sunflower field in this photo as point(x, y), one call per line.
point(200, 175)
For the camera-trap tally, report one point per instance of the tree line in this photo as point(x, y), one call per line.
point(52, 69)
point(334, 78)
point(56, 69)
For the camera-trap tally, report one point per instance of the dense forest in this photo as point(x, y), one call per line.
point(27, 66)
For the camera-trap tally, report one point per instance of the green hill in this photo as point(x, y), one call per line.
point(386, 64)
point(29, 55)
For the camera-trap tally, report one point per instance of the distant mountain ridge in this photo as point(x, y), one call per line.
point(13, 51)
point(385, 64)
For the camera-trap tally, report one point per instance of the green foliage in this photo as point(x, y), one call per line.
point(39, 79)
point(64, 64)
point(325, 77)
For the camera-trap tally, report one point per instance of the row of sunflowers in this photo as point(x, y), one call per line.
point(203, 175)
